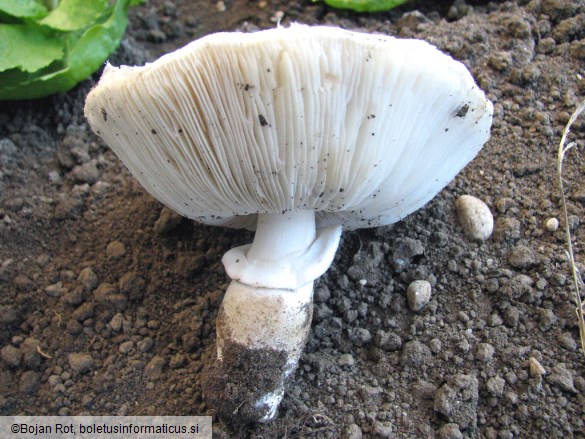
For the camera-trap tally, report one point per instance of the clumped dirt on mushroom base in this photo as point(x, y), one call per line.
point(233, 386)
point(108, 302)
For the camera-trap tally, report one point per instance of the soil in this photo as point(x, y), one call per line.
point(108, 301)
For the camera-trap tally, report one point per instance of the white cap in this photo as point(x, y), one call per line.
point(362, 129)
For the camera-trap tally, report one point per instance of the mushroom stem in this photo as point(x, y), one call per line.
point(280, 235)
point(266, 313)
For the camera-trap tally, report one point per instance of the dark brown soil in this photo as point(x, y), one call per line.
point(108, 301)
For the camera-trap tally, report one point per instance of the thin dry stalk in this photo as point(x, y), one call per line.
point(577, 280)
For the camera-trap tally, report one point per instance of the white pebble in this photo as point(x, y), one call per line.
point(475, 217)
point(418, 294)
point(552, 224)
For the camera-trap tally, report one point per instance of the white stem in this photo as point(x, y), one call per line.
point(280, 235)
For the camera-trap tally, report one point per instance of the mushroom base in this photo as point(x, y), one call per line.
point(236, 387)
point(262, 333)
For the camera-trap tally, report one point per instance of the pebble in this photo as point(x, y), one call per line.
point(567, 341)
point(562, 378)
point(126, 347)
point(475, 217)
point(536, 369)
point(29, 382)
point(345, 360)
point(495, 385)
point(88, 279)
point(485, 352)
point(30, 354)
point(360, 336)
point(353, 431)
point(418, 294)
point(388, 341)
point(457, 400)
point(415, 354)
point(80, 362)
point(11, 356)
point(116, 322)
point(383, 429)
point(7, 315)
point(56, 290)
point(153, 370)
point(132, 285)
point(86, 173)
point(167, 221)
point(449, 431)
point(547, 319)
point(115, 249)
point(551, 224)
point(84, 312)
point(521, 257)
point(404, 250)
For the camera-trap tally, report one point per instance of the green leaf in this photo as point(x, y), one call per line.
point(40, 48)
point(88, 49)
point(365, 5)
point(71, 15)
point(23, 8)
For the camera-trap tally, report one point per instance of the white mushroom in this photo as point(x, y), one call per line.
point(294, 132)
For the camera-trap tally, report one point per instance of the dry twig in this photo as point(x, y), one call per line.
point(577, 280)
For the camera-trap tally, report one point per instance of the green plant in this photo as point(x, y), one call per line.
point(577, 280)
point(364, 5)
point(48, 46)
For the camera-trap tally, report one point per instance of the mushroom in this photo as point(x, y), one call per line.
point(295, 133)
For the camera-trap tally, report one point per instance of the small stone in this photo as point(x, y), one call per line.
point(547, 319)
point(115, 249)
point(383, 429)
point(126, 347)
point(359, 336)
point(88, 279)
point(84, 312)
point(536, 369)
point(132, 285)
point(485, 352)
point(345, 360)
point(145, 345)
point(80, 362)
point(567, 341)
point(495, 385)
point(86, 173)
point(167, 221)
point(29, 382)
point(418, 294)
point(457, 400)
point(177, 361)
point(188, 265)
point(56, 290)
point(449, 431)
point(521, 257)
point(11, 356)
point(404, 250)
point(551, 224)
point(415, 354)
point(30, 353)
point(353, 431)
point(388, 341)
point(7, 315)
point(475, 217)
point(116, 322)
point(154, 368)
point(562, 378)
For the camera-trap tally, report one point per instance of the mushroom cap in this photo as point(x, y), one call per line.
point(362, 129)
